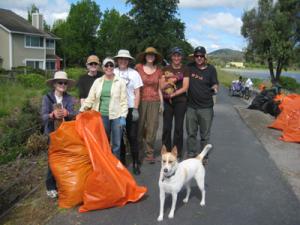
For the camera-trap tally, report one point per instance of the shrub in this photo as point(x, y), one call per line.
point(31, 80)
point(75, 72)
point(27, 70)
point(289, 83)
point(36, 143)
point(18, 128)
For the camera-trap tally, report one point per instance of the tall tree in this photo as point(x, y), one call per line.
point(32, 9)
point(157, 24)
point(271, 32)
point(116, 32)
point(78, 33)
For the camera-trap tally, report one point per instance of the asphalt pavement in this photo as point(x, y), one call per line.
point(244, 185)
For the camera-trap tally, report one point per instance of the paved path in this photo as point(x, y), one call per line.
point(243, 184)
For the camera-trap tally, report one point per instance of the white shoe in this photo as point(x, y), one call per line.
point(52, 194)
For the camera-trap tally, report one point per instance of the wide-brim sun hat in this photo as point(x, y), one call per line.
point(60, 75)
point(123, 53)
point(150, 50)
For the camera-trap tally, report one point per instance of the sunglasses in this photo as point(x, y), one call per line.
point(199, 56)
point(93, 64)
point(62, 82)
point(109, 65)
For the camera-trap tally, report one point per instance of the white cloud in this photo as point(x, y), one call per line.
point(215, 46)
point(51, 9)
point(223, 22)
point(246, 4)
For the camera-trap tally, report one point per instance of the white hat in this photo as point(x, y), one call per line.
point(60, 75)
point(107, 60)
point(123, 53)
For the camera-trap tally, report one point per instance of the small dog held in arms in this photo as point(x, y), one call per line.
point(174, 175)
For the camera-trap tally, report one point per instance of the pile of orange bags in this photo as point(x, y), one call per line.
point(289, 119)
point(85, 168)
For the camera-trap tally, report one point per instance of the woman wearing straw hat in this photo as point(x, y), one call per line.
point(108, 96)
point(57, 106)
point(151, 100)
point(174, 84)
point(133, 83)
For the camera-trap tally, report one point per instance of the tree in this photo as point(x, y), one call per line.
point(157, 25)
point(34, 9)
point(78, 32)
point(116, 32)
point(271, 32)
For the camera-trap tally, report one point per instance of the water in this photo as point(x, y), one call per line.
point(262, 74)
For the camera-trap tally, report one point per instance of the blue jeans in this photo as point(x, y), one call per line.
point(113, 131)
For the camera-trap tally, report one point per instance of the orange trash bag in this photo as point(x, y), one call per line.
point(110, 184)
point(288, 120)
point(70, 164)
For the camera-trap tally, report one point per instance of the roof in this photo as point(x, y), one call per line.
point(17, 24)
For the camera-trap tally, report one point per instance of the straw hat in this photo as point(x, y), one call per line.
point(123, 53)
point(150, 50)
point(60, 75)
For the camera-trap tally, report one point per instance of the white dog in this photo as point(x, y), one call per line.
point(174, 175)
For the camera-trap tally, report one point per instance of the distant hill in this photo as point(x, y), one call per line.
point(227, 55)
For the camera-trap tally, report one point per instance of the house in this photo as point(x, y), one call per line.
point(25, 44)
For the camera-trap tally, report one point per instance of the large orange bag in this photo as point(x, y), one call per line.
point(110, 184)
point(289, 119)
point(70, 164)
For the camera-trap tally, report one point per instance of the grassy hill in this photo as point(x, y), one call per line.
point(226, 55)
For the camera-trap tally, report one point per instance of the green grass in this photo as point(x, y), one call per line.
point(13, 95)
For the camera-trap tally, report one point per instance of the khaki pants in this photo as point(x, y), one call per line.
point(148, 125)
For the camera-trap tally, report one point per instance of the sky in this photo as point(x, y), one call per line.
point(214, 24)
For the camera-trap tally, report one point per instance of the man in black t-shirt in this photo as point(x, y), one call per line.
point(86, 81)
point(203, 85)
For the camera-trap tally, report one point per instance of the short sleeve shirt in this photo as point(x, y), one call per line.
point(133, 81)
point(149, 91)
point(201, 80)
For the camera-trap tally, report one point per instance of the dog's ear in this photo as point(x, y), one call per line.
point(163, 150)
point(174, 151)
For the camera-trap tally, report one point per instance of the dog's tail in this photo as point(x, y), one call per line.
point(204, 152)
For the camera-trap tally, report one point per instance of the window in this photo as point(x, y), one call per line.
point(50, 43)
point(35, 64)
point(50, 65)
point(34, 41)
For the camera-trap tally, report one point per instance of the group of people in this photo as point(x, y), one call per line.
point(130, 100)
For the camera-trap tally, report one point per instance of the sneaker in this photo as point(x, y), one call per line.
point(52, 193)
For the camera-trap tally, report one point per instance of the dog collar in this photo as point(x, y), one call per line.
point(168, 177)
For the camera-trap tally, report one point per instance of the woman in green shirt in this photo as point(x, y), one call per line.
point(108, 95)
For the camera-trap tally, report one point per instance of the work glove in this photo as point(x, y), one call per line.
point(135, 115)
point(122, 121)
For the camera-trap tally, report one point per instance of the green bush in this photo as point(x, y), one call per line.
point(75, 72)
point(31, 80)
point(289, 83)
point(27, 70)
point(18, 127)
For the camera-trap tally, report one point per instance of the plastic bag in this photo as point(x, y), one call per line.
point(70, 164)
point(110, 184)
